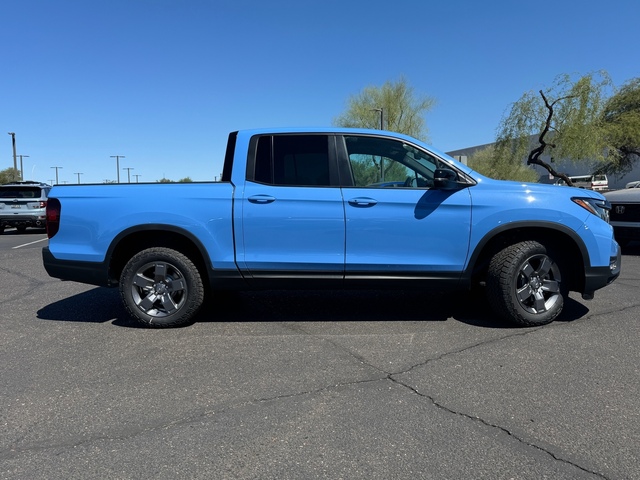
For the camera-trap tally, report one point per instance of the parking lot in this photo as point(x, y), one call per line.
point(276, 385)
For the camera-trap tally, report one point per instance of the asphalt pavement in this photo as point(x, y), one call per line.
point(338, 385)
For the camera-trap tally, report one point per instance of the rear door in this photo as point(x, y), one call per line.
point(292, 213)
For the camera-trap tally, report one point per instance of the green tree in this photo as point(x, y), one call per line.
point(621, 127)
point(566, 119)
point(182, 180)
point(494, 164)
point(396, 103)
point(9, 175)
point(398, 108)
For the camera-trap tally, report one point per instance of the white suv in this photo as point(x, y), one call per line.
point(23, 204)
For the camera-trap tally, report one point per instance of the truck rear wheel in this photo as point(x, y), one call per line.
point(161, 287)
point(524, 284)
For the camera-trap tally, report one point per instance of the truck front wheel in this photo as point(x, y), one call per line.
point(161, 287)
point(524, 284)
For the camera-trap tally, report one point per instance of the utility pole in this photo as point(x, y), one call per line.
point(56, 174)
point(128, 169)
point(21, 169)
point(137, 177)
point(13, 141)
point(78, 174)
point(118, 157)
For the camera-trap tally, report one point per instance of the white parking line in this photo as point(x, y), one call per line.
point(30, 243)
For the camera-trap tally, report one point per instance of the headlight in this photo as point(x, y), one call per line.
point(596, 206)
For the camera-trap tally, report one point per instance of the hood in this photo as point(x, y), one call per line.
point(628, 195)
point(538, 187)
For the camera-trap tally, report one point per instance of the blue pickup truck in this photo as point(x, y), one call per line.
point(335, 208)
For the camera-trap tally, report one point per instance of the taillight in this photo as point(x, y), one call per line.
point(53, 216)
point(42, 204)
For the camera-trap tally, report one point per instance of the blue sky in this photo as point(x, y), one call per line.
point(163, 82)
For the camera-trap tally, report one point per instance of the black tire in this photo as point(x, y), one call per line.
point(524, 284)
point(161, 288)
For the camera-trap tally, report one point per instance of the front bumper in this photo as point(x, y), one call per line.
point(599, 277)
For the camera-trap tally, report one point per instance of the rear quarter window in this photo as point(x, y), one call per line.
point(293, 160)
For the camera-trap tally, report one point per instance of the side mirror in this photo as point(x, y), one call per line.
point(445, 179)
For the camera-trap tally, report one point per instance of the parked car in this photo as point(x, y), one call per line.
point(634, 184)
point(625, 214)
point(23, 205)
point(598, 182)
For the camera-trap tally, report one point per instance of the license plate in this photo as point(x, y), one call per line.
point(16, 206)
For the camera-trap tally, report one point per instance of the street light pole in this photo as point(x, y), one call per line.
point(137, 176)
point(13, 141)
point(56, 174)
point(78, 174)
point(21, 169)
point(381, 111)
point(118, 157)
point(128, 169)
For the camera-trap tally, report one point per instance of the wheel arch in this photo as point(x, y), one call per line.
point(558, 238)
point(136, 239)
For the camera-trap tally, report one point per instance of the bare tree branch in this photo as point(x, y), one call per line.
point(534, 155)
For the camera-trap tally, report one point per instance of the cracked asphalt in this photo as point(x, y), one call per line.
point(339, 385)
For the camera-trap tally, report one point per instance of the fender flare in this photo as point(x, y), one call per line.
point(513, 226)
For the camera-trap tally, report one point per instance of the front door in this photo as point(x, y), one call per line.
point(397, 224)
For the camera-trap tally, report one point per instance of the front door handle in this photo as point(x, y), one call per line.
point(362, 202)
point(261, 199)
